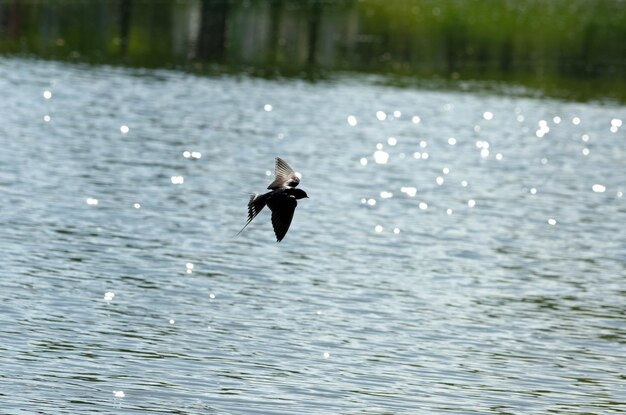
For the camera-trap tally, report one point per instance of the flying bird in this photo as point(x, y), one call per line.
point(281, 199)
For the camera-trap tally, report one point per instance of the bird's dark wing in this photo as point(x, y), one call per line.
point(282, 207)
point(285, 176)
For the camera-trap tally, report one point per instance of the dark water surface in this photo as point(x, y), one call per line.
point(479, 274)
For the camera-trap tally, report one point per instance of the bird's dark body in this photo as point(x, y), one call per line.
point(281, 199)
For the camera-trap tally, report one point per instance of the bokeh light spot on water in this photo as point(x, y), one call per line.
point(47, 94)
point(46, 118)
point(533, 191)
point(585, 151)
point(464, 183)
point(268, 107)
point(598, 188)
point(381, 157)
point(449, 211)
point(423, 144)
point(445, 170)
point(410, 191)
point(616, 122)
point(471, 203)
point(177, 179)
point(552, 221)
point(186, 154)
point(196, 154)
point(326, 355)
point(136, 205)
point(556, 119)
point(371, 202)
point(439, 180)
point(488, 115)
point(544, 161)
point(172, 321)
point(499, 156)
point(124, 129)
point(119, 394)
point(423, 205)
point(452, 141)
point(620, 194)
point(397, 114)
point(585, 137)
point(91, 201)
point(386, 195)
point(576, 120)
point(416, 119)
point(379, 146)
point(352, 120)
point(484, 153)
point(378, 228)
point(417, 155)
point(363, 161)
point(396, 230)
point(520, 118)
point(381, 115)
point(108, 296)
point(212, 296)
point(425, 155)
point(392, 141)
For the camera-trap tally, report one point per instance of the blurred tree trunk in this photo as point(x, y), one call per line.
point(212, 38)
point(125, 16)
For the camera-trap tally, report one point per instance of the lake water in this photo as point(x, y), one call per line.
point(460, 252)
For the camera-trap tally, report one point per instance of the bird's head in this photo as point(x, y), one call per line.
point(299, 194)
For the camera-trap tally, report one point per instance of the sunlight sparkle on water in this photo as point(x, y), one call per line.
point(381, 157)
point(410, 191)
point(452, 141)
point(471, 203)
point(46, 118)
point(363, 161)
point(484, 153)
point(268, 107)
point(371, 202)
point(381, 115)
point(556, 119)
point(488, 115)
point(575, 120)
point(552, 221)
point(424, 155)
point(439, 180)
point(598, 188)
point(416, 119)
point(108, 296)
point(423, 205)
point(423, 144)
point(177, 179)
point(386, 195)
point(378, 228)
point(119, 394)
point(499, 156)
point(417, 155)
point(449, 211)
point(352, 120)
point(396, 230)
point(520, 118)
point(585, 151)
point(533, 191)
point(212, 296)
point(392, 141)
point(326, 355)
point(196, 154)
point(136, 205)
point(397, 114)
point(464, 183)
point(47, 94)
point(445, 170)
point(124, 129)
point(91, 201)
point(186, 154)
point(172, 321)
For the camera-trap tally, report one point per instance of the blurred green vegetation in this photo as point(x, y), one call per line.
point(573, 49)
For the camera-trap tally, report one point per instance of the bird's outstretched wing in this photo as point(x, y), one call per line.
point(282, 207)
point(285, 176)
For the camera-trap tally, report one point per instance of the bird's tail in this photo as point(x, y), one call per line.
point(255, 205)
